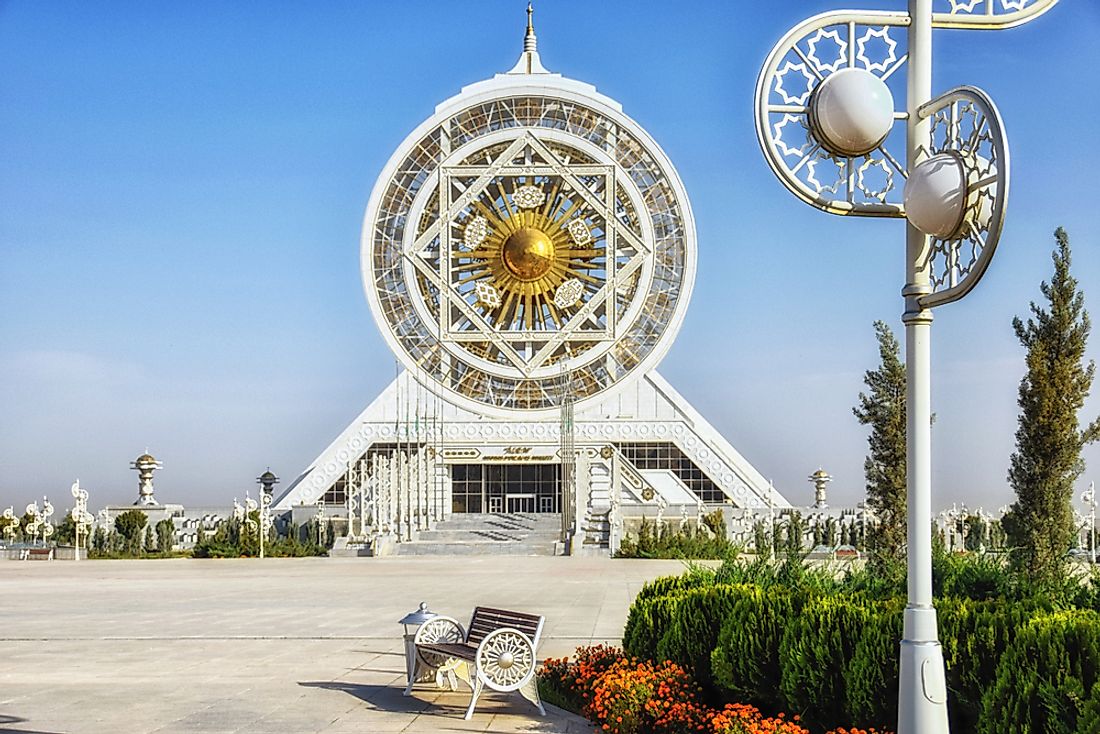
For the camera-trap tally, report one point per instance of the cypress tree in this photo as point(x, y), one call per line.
point(884, 411)
point(1049, 440)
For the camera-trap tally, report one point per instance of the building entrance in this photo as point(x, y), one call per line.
point(506, 488)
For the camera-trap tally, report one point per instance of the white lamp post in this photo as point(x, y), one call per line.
point(12, 524)
point(267, 482)
point(39, 521)
point(320, 524)
point(829, 128)
point(1089, 498)
point(82, 519)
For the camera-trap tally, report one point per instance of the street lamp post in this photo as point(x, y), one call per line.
point(82, 519)
point(826, 122)
point(265, 520)
point(267, 482)
point(1089, 498)
point(39, 521)
point(12, 524)
point(320, 524)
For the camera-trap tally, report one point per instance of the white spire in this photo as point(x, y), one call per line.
point(529, 62)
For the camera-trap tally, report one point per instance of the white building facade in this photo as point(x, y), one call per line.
point(528, 253)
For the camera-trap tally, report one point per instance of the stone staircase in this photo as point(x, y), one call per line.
point(482, 534)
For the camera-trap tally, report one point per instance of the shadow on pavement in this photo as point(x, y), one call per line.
point(384, 697)
point(449, 707)
point(6, 721)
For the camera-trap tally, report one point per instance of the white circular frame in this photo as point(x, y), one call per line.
point(393, 237)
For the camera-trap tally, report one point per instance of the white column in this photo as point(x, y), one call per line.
point(922, 695)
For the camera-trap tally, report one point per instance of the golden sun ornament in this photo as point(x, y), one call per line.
point(530, 239)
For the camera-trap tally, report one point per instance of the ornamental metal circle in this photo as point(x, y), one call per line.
point(966, 123)
point(505, 660)
point(796, 69)
point(526, 243)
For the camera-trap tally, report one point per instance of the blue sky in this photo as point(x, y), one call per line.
point(182, 187)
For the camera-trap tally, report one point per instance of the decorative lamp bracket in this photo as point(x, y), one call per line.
point(863, 45)
point(787, 91)
point(989, 15)
point(966, 126)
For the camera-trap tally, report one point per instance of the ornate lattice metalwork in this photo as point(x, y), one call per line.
point(966, 124)
point(521, 235)
point(868, 184)
point(987, 14)
point(436, 630)
point(505, 660)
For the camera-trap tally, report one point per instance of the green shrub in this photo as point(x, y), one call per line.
point(1044, 677)
point(646, 624)
point(668, 540)
point(1089, 721)
point(784, 637)
point(693, 633)
point(666, 585)
point(745, 660)
point(872, 675)
point(975, 636)
point(814, 654)
point(971, 576)
point(643, 629)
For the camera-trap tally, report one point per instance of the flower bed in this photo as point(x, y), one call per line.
point(624, 695)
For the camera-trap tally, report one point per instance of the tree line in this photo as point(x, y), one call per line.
point(1038, 526)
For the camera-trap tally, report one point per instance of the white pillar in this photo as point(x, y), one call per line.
point(922, 695)
point(582, 490)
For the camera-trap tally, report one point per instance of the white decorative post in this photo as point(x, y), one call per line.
point(825, 119)
point(267, 482)
point(39, 522)
point(12, 524)
point(320, 524)
point(1089, 498)
point(250, 506)
point(82, 519)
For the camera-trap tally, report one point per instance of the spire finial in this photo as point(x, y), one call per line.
point(530, 43)
point(529, 62)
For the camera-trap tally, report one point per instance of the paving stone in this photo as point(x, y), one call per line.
point(286, 646)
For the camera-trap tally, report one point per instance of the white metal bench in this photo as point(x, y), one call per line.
point(497, 651)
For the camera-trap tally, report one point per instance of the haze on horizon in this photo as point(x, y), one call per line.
point(184, 185)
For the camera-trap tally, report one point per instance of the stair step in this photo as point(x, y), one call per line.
point(420, 548)
point(466, 534)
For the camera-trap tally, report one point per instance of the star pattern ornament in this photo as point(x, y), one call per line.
point(528, 197)
point(568, 293)
point(579, 232)
point(475, 233)
point(487, 295)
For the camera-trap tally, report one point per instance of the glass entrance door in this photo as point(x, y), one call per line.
point(506, 488)
point(520, 502)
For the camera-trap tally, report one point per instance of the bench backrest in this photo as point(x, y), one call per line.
point(487, 619)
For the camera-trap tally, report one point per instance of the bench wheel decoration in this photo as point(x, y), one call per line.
point(505, 661)
point(430, 664)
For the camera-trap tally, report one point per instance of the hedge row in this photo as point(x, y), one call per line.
point(833, 658)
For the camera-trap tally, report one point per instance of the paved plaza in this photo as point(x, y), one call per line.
point(282, 646)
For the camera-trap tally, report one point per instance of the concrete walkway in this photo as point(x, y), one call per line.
point(282, 646)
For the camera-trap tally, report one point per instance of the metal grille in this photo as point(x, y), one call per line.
point(665, 455)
